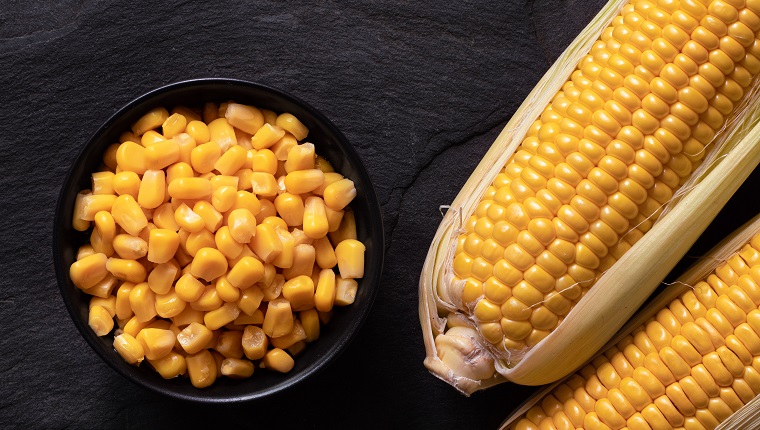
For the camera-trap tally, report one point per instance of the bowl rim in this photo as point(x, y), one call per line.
point(332, 353)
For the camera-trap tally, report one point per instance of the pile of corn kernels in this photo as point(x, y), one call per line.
point(220, 242)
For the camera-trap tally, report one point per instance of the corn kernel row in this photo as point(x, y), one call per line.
point(691, 366)
point(219, 241)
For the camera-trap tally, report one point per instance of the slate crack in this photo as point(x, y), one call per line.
point(545, 52)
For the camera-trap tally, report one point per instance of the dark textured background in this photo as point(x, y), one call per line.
point(420, 88)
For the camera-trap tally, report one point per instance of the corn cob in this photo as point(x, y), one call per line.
point(689, 360)
point(560, 204)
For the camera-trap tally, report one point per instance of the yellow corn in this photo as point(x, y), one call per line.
point(226, 290)
point(266, 243)
point(202, 369)
point(310, 322)
point(263, 184)
point(178, 170)
point(162, 245)
point(350, 256)
point(79, 223)
point(242, 225)
point(103, 288)
point(102, 183)
point(129, 348)
point(142, 300)
point(212, 218)
point(324, 296)
point(237, 368)
point(303, 262)
point(221, 316)
point(249, 300)
point(278, 319)
point(345, 291)
point(108, 303)
point(85, 251)
point(291, 124)
point(123, 308)
point(126, 183)
point(221, 132)
point(300, 157)
point(128, 270)
point(163, 217)
point(94, 203)
point(170, 366)
point(346, 230)
point(189, 188)
point(109, 157)
point(130, 247)
point(194, 337)
point(264, 161)
point(285, 258)
point(282, 147)
point(226, 244)
point(161, 278)
point(174, 125)
point(278, 360)
point(151, 137)
point(103, 234)
point(156, 343)
point(151, 120)
point(198, 130)
point(245, 273)
point(315, 223)
point(304, 181)
point(692, 363)
point(330, 178)
point(208, 264)
point(100, 320)
point(88, 271)
point(231, 161)
point(254, 342)
point(188, 316)
point(266, 136)
point(188, 220)
point(246, 118)
point(169, 305)
point(339, 194)
point(128, 214)
point(130, 157)
point(299, 291)
point(296, 335)
point(162, 154)
point(209, 300)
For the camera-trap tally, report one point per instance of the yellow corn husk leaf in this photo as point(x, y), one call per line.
point(467, 361)
point(748, 416)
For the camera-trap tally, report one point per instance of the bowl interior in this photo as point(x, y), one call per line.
point(329, 143)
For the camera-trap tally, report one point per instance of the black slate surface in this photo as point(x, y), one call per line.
point(420, 88)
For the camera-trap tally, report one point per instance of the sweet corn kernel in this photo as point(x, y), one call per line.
point(130, 247)
point(296, 335)
point(190, 188)
point(142, 300)
point(134, 325)
point(123, 308)
point(109, 157)
point(290, 207)
point(128, 214)
point(194, 337)
point(226, 244)
point(230, 344)
point(202, 369)
point(107, 303)
point(100, 320)
point(212, 219)
point(169, 305)
point(221, 132)
point(151, 137)
point(128, 270)
point(310, 322)
point(174, 125)
point(250, 300)
point(254, 342)
point(152, 189)
point(264, 161)
point(103, 288)
point(278, 318)
point(350, 256)
point(330, 178)
point(129, 348)
point(188, 316)
point(315, 223)
point(103, 234)
point(242, 225)
point(102, 183)
point(304, 181)
point(208, 264)
point(324, 253)
point(282, 147)
point(246, 272)
point(153, 119)
point(345, 291)
point(291, 124)
point(162, 154)
point(266, 136)
point(94, 203)
point(334, 218)
point(77, 221)
point(324, 297)
point(199, 131)
point(272, 290)
point(188, 220)
point(188, 288)
point(236, 368)
point(347, 229)
point(126, 183)
point(266, 243)
point(186, 145)
point(264, 184)
point(299, 291)
point(278, 360)
point(188, 113)
point(285, 258)
point(300, 157)
point(303, 262)
point(85, 251)
point(161, 278)
point(226, 291)
point(221, 316)
point(208, 301)
point(130, 157)
point(231, 161)
point(339, 194)
point(162, 245)
point(170, 366)
point(267, 210)
point(244, 117)
point(163, 217)
point(156, 343)
point(224, 198)
point(323, 165)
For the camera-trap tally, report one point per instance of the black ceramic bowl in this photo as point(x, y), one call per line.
point(329, 142)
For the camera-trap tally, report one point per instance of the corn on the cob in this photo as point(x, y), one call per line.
point(556, 205)
point(691, 360)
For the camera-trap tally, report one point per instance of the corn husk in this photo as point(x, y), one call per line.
point(746, 417)
point(466, 360)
